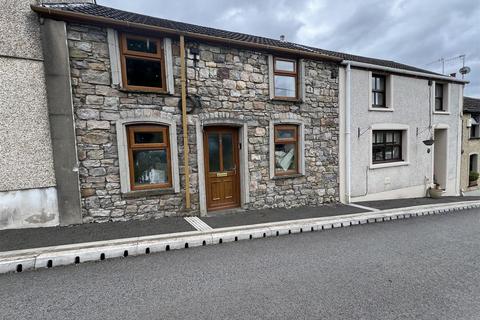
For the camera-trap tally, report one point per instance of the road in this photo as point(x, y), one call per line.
point(419, 268)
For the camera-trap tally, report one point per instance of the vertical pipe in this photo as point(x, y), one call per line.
point(186, 169)
point(348, 165)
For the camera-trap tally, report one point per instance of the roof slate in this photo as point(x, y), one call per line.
point(124, 16)
point(471, 105)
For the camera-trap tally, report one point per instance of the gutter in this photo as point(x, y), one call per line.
point(76, 16)
point(402, 71)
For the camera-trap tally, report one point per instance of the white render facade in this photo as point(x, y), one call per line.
point(409, 110)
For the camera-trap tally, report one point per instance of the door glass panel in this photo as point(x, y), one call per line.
point(227, 152)
point(213, 152)
point(150, 166)
point(148, 137)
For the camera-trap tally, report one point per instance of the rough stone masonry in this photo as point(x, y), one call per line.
point(231, 83)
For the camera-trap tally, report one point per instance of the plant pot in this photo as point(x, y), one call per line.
point(473, 183)
point(435, 193)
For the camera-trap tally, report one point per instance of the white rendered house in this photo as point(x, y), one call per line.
point(388, 114)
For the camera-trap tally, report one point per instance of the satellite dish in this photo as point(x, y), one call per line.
point(465, 70)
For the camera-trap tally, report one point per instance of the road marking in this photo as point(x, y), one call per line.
point(198, 224)
point(363, 207)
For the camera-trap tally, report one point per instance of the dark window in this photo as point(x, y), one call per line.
point(439, 97)
point(378, 91)
point(285, 78)
point(475, 127)
point(149, 157)
point(386, 146)
point(286, 149)
point(143, 65)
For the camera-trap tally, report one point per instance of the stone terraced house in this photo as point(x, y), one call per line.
point(470, 145)
point(264, 119)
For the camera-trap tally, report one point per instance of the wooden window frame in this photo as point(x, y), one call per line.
point(384, 91)
point(294, 140)
point(132, 146)
point(292, 74)
point(125, 53)
point(386, 144)
point(439, 98)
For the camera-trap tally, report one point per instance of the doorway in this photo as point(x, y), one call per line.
point(440, 156)
point(222, 169)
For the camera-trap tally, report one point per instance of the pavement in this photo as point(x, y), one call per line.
point(422, 268)
point(21, 239)
point(411, 202)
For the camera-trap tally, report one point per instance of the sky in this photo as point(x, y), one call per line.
point(414, 32)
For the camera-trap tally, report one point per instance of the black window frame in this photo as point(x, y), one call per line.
point(376, 91)
point(474, 132)
point(439, 97)
point(384, 144)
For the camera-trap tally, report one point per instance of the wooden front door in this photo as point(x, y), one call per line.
point(222, 170)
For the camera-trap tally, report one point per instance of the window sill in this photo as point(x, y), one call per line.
point(292, 100)
point(381, 109)
point(388, 165)
point(147, 193)
point(287, 176)
point(474, 138)
point(146, 91)
point(441, 112)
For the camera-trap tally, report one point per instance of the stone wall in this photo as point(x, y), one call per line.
point(469, 146)
point(231, 83)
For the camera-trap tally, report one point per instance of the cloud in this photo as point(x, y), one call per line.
point(408, 31)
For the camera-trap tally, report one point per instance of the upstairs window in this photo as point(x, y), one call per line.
point(439, 105)
point(286, 149)
point(149, 157)
point(285, 74)
point(378, 91)
point(475, 127)
point(143, 66)
point(386, 146)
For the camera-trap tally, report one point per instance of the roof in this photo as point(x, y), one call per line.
point(107, 14)
point(471, 105)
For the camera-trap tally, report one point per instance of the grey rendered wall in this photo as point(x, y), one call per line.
point(27, 183)
point(60, 110)
point(26, 160)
